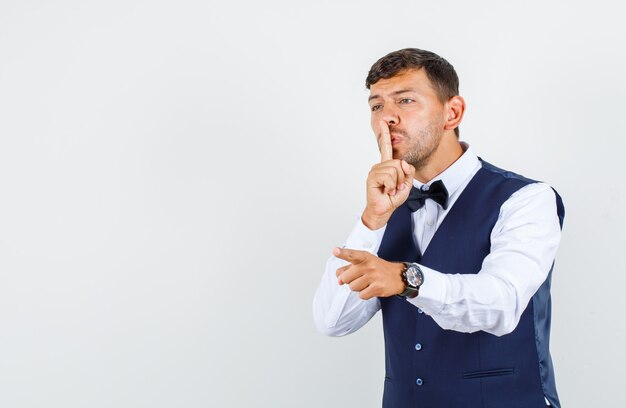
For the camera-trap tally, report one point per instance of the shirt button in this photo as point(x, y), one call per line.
point(419, 381)
point(430, 223)
point(420, 311)
point(418, 347)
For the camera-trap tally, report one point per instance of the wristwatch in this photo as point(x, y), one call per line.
point(413, 278)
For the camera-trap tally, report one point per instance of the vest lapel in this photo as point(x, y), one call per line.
point(398, 244)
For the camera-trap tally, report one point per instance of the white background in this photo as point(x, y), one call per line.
point(173, 176)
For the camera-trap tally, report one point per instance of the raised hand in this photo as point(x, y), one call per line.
point(388, 183)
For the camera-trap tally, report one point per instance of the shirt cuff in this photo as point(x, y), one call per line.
point(365, 239)
point(432, 293)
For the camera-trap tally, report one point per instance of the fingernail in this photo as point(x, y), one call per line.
point(336, 251)
point(402, 186)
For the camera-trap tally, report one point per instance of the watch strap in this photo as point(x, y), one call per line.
point(409, 291)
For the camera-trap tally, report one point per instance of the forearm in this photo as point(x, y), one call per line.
point(523, 247)
point(337, 310)
point(471, 302)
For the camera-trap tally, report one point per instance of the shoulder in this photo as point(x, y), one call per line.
point(518, 183)
point(523, 193)
point(498, 172)
point(533, 193)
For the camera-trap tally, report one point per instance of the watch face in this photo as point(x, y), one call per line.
point(414, 276)
point(411, 276)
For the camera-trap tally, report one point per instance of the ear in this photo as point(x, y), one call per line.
point(455, 110)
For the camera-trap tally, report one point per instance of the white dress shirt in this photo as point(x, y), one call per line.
point(524, 242)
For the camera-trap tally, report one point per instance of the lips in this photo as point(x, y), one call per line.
point(395, 139)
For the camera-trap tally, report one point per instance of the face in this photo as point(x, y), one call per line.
point(415, 116)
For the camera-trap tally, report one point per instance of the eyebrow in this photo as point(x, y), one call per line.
point(401, 91)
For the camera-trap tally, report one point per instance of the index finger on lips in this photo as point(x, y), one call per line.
point(384, 142)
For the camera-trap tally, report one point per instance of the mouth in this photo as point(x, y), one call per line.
point(396, 139)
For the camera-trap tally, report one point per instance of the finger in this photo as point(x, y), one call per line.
point(385, 181)
point(409, 173)
point(384, 142)
point(409, 170)
point(359, 284)
point(389, 179)
point(396, 170)
point(352, 274)
point(351, 255)
point(369, 292)
point(342, 269)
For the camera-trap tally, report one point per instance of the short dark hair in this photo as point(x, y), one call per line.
point(440, 72)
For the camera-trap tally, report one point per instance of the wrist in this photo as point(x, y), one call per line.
point(413, 278)
point(401, 283)
point(372, 221)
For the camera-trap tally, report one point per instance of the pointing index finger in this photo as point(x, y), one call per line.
point(351, 255)
point(384, 142)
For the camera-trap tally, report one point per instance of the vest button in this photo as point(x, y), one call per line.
point(420, 311)
point(419, 381)
point(418, 347)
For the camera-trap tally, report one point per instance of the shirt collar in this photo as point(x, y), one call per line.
point(458, 172)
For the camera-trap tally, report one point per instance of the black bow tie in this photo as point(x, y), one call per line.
point(437, 192)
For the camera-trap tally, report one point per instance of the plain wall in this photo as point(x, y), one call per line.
point(174, 175)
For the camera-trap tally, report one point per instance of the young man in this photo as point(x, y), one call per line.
point(457, 254)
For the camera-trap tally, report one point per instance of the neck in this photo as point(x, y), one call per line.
point(448, 151)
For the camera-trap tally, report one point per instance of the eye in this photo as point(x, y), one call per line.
point(376, 107)
point(406, 100)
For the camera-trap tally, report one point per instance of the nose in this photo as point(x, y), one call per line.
point(390, 115)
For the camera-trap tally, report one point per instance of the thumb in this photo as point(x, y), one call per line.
point(409, 173)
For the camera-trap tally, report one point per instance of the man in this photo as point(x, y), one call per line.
point(457, 254)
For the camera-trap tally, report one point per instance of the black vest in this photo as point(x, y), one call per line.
point(429, 367)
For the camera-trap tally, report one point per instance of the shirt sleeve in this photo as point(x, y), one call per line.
point(524, 242)
point(337, 310)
